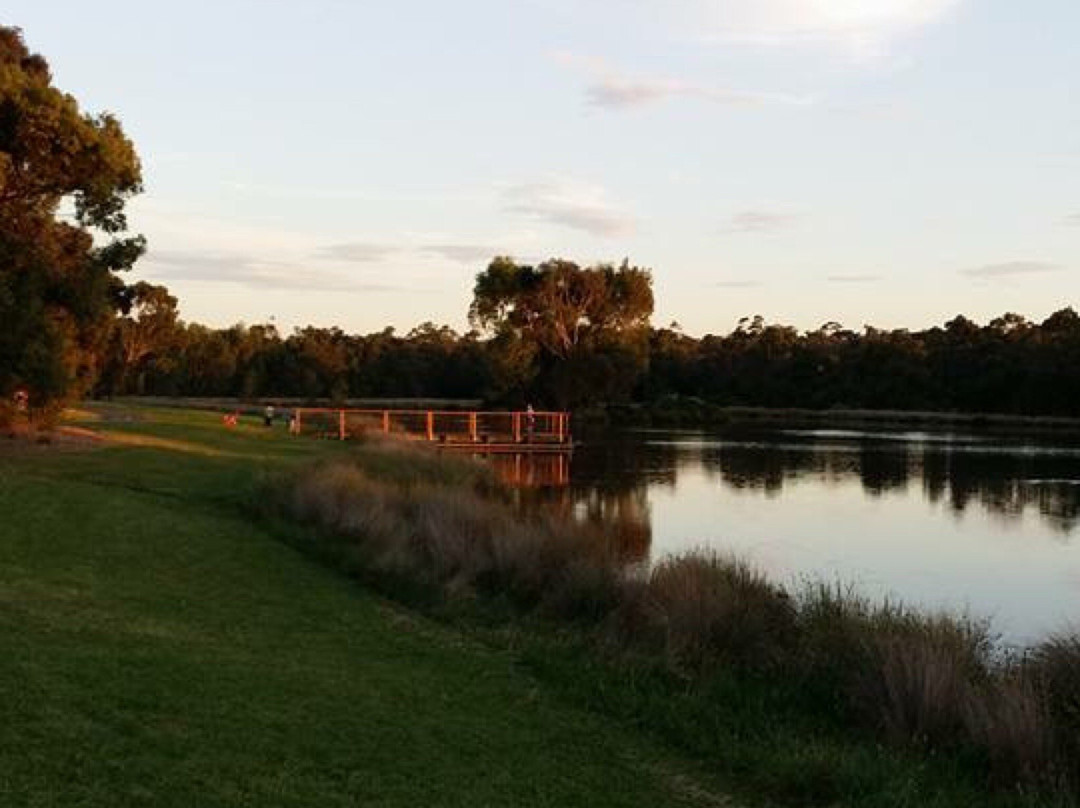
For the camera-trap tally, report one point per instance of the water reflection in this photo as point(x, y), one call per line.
point(941, 519)
point(1004, 479)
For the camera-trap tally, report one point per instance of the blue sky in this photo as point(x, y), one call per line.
point(892, 162)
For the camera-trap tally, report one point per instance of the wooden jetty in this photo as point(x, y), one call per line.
point(514, 431)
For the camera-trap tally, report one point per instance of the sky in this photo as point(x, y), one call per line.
point(884, 162)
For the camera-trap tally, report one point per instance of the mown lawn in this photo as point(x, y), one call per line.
point(160, 647)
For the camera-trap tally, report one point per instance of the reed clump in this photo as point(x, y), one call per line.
point(934, 682)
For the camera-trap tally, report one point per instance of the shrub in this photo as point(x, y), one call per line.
point(713, 609)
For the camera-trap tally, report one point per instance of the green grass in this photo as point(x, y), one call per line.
point(161, 647)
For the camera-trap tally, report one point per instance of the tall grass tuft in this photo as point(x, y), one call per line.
point(708, 609)
point(1054, 665)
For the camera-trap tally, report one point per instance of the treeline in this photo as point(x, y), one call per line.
point(1009, 365)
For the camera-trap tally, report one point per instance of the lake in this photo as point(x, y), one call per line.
point(987, 524)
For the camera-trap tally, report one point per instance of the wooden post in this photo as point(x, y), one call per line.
point(386, 422)
point(517, 427)
point(341, 424)
point(472, 426)
point(299, 423)
point(430, 425)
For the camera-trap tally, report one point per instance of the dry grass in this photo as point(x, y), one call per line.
point(1054, 667)
point(459, 541)
point(930, 681)
point(705, 609)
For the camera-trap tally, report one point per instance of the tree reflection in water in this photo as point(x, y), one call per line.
point(607, 480)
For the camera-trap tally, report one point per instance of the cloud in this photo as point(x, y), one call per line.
point(357, 251)
point(1011, 269)
point(852, 278)
point(1072, 220)
point(616, 92)
point(611, 89)
point(569, 204)
point(462, 253)
point(760, 221)
point(863, 28)
point(250, 271)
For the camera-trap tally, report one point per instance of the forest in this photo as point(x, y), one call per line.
point(1009, 365)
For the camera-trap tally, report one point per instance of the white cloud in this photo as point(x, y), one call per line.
point(611, 89)
point(462, 253)
point(1010, 269)
point(615, 92)
point(572, 204)
point(760, 221)
point(248, 270)
point(865, 28)
point(357, 251)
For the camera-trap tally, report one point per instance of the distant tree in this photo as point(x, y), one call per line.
point(58, 288)
point(570, 328)
point(145, 335)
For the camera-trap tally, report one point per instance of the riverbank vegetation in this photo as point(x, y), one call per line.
point(706, 651)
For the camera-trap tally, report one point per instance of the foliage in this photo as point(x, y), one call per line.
point(58, 288)
point(1009, 365)
point(581, 333)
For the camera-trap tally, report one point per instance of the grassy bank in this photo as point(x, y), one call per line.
point(813, 697)
point(162, 647)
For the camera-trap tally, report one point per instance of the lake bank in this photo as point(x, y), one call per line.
point(821, 674)
point(245, 653)
point(700, 413)
point(681, 412)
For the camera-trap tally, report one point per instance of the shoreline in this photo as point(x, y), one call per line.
point(704, 415)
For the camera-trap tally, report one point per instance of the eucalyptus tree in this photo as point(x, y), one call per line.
point(65, 177)
point(572, 334)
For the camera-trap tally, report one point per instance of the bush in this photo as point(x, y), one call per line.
point(707, 609)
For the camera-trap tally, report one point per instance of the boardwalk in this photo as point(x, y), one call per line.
point(472, 430)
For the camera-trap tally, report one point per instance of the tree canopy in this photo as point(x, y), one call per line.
point(572, 334)
point(65, 177)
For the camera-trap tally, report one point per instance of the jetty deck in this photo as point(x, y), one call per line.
point(515, 431)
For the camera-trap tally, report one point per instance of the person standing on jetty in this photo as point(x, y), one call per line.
point(530, 422)
point(268, 415)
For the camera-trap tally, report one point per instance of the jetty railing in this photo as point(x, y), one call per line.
point(457, 428)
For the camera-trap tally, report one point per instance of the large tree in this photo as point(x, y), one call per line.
point(567, 333)
point(65, 177)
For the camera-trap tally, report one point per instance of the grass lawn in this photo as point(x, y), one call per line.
point(160, 647)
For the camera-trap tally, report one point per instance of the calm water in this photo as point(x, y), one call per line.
point(986, 524)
